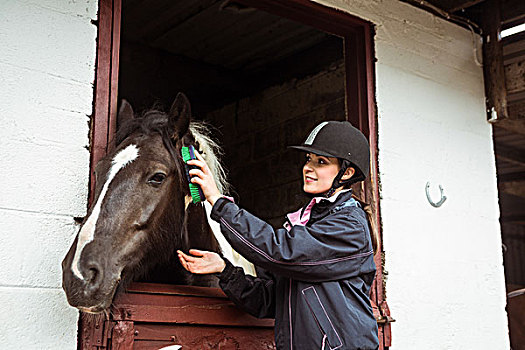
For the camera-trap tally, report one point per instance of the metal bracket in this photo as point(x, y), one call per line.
point(438, 203)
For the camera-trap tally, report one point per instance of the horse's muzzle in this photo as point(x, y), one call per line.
point(93, 292)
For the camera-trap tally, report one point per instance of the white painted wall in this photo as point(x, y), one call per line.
point(445, 283)
point(46, 74)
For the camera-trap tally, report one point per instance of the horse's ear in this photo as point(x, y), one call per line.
point(179, 117)
point(125, 113)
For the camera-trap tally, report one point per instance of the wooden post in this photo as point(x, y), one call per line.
point(103, 123)
point(493, 71)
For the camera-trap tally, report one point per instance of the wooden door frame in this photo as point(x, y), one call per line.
point(104, 119)
point(360, 106)
point(359, 98)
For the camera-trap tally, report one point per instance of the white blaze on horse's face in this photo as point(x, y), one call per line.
point(87, 233)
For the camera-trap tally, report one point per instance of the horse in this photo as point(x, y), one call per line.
point(142, 210)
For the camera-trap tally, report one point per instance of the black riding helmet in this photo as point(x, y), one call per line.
point(340, 140)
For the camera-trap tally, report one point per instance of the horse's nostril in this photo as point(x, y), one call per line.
point(94, 275)
point(140, 227)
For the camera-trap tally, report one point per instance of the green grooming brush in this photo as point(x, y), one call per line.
point(188, 153)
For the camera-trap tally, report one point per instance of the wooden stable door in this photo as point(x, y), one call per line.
point(154, 315)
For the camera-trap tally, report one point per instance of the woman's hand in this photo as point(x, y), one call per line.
point(204, 178)
point(202, 262)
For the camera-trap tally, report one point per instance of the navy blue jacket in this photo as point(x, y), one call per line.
point(315, 279)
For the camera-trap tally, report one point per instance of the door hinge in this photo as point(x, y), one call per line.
point(384, 316)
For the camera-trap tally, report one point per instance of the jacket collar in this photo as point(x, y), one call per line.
point(302, 216)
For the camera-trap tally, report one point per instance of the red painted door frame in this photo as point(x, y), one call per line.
point(104, 119)
point(92, 331)
point(360, 99)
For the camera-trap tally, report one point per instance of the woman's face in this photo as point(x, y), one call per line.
point(319, 173)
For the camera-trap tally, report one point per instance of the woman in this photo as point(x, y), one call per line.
point(314, 275)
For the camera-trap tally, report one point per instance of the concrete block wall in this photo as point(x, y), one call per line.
point(46, 74)
point(445, 285)
point(256, 131)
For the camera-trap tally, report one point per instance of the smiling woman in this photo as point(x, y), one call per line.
point(316, 270)
point(319, 172)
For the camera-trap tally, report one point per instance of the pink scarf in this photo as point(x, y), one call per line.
point(295, 218)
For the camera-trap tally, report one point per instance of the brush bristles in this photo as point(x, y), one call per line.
point(194, 191)
point(185, 151)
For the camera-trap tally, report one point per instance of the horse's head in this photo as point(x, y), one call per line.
point(137, 216)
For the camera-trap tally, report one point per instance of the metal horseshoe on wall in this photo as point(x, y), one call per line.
point(438, 203)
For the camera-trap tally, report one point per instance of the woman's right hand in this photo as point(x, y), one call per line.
point(202, 262)
point(204, 178)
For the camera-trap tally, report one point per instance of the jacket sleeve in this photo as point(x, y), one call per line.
point(335, 247)
point(255, 295)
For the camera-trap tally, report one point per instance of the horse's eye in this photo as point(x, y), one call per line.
point(157, 179)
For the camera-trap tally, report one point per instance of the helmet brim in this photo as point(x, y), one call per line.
point(313, 150)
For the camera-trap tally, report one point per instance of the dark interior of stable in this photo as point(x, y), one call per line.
point(260, 80)
point(263, 81)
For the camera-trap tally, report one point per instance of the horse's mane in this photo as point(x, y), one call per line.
point(156, 121)
point(211, 152)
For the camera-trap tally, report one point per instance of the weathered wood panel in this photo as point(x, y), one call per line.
point(516, 312)
point(514, 252)
point(150, 336)
point(183, 309)
point(150, 316)
point(515, 76)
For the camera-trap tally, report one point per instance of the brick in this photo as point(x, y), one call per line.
point(40, 38)
point(35, 244)
point(267, 142)
point(55, 177)
point(240, 153)
point(37, 318)
point(268, 201)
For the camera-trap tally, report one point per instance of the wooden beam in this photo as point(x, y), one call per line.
point(514, 48)
point(494, 73)
point(515, 188)
point(516, 126)
point(511, 177)
point(510, 155)
point(512, 10)
point(513, 219)
point(463, 5)
point(517, 110)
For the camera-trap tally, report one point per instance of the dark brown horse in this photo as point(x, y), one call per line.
point(141, 213)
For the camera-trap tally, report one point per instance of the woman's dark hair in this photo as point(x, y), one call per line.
point(370, 218)
point(369, 214)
